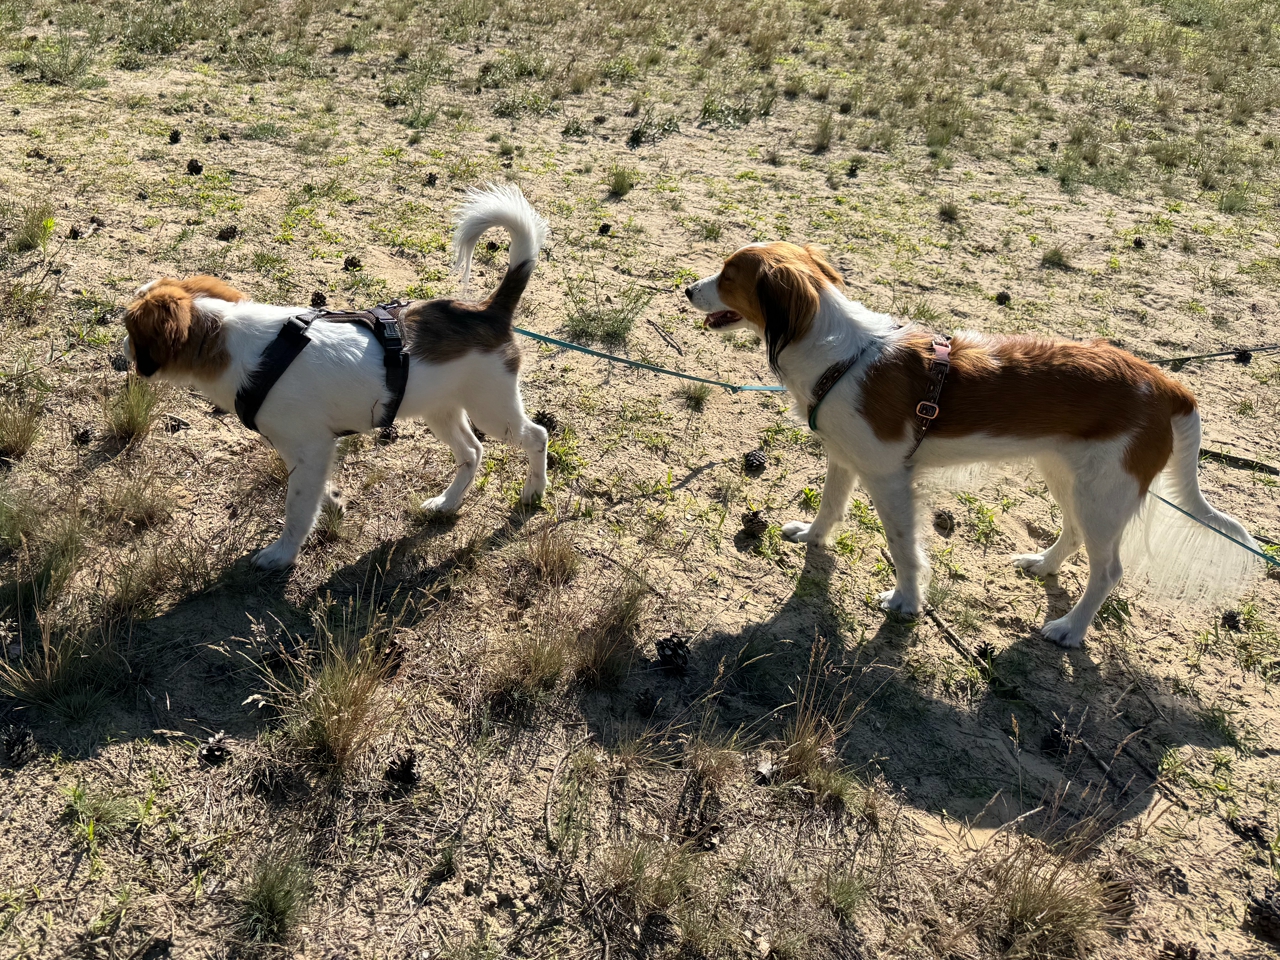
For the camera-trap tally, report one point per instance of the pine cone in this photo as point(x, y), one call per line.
point(986, 652)
point(755, 461)
point(547, 421)
point(673, 653)
point(19, 745)
point(387, 435)
point(754, 523)
point(1231, 621)
point(318, 299)
point(1179, 951)
point(403, 769)
point(215, 750)
point(1264, 914)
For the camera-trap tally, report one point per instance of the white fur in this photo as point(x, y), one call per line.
point(1098, 497)
point(337, 384)
point(497, 206)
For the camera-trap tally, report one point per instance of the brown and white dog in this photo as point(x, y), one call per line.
point(463, 364)
point(1103, 427)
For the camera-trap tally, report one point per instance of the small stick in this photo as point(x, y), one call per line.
point(670, 340)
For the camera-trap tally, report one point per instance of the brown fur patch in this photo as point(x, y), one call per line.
point(444, 330)
point(169, 332)
point(206, 286)
point(776, 287)
point(1029, 387)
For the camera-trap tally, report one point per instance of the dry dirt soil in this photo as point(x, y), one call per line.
point(622, 724)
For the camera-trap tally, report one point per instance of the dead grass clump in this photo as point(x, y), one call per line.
point(821, 715)
point(607, 645)
point(1040, 902)
point(51, 556)
point(1055, 258)
point(132, 411)
point(647, 877)
point(532, 667)
point(71, 673)
point(332, 698)
point(274, 899)
point(137, 501)
point(19, 424)
point(19, 517)
point(552, 555)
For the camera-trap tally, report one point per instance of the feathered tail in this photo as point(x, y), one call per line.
point(1179, 558)
point(498, 206)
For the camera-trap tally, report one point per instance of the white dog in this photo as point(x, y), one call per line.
point(1100, 424)
point(462, 362)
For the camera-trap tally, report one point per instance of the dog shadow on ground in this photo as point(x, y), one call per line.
point(999, 735)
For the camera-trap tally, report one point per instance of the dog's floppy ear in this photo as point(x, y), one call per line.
point(788, 299)
point(819, 258)
point(158, 323)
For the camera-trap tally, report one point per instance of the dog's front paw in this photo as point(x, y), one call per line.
point(278, 556)
point(532, 492)
point(1033, 563)
point(437, 505)
point(896, 601)
point(1063, 632)
point(798, 531)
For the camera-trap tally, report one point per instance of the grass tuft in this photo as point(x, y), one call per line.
point(622, 180)
point(132, 411)
point(19, 424)
point(607, 645)
point(695, 395)
point(273, 901)
point(1055, 258)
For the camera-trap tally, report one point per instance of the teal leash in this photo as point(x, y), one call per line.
point(746, 387)
point(1244, 546)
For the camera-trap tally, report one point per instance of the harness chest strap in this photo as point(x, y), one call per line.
point(282, 351)
point(830, 377)
point(927, 410)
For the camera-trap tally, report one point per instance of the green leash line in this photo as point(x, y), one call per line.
point(763, 388)
point(1244, 546)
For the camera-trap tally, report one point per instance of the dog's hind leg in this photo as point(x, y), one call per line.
point(1105, 501)
point(500, 413)
point(309, 469)
point(451, 426)
point(835, 498)
point(895, 503)
point(1058, 478)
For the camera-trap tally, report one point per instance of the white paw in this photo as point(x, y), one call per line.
point(897, 602)
point(278, 556)
point(798, 531)
point(437, 505)
point(1063, 632)
point(532, 492)
point(1033, 563)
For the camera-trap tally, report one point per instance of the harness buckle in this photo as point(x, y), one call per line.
point(391, 338)
point(926, 410)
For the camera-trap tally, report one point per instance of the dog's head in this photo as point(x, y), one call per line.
point(169, 332)
point(775, 288)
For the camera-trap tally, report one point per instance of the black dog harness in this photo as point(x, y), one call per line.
point(383, 321)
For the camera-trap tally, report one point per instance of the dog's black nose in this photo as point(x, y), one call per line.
point(688, 292)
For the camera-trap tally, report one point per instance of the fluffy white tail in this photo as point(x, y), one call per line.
point(497, 206)
point(1177, 557)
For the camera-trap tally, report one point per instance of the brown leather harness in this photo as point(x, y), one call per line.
point(383, 321)
point(926, 410)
